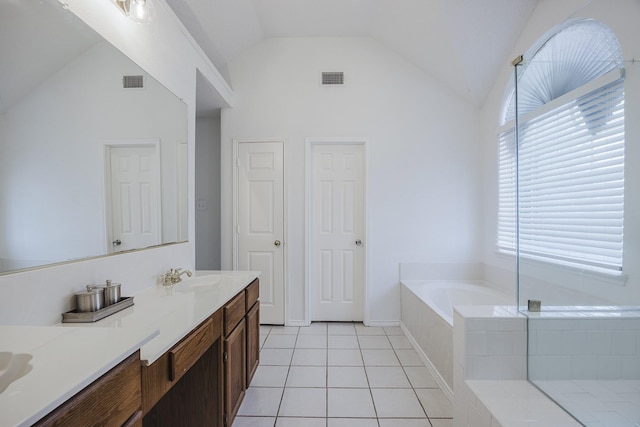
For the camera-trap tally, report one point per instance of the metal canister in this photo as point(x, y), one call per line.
point(90, 300)
point(111, 293)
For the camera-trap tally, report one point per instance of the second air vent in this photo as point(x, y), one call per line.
point(332, 78)
point(132, 82)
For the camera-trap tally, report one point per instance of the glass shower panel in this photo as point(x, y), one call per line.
point(578, 220)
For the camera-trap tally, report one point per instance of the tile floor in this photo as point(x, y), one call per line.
point(341, 375)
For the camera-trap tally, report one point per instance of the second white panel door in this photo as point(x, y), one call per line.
point(337, 237)
point(261, 222)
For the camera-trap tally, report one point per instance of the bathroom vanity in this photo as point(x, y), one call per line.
point(182, 355)
point(202, 379)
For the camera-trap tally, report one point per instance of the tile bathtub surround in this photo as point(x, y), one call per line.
point(585, 346)
point(490, 372)
point(341, 375)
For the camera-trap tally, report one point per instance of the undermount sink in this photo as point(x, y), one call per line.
point(12, 367)
point(201, 283)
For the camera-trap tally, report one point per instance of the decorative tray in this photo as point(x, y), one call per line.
point(93, 316)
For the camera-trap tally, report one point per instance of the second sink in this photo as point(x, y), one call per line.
point(12, 367)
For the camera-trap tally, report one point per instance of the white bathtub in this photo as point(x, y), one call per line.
point(427, 316)
point(442, 295)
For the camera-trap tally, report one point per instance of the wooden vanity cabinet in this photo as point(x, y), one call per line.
point(113, 400)
point(234, 371)
point(252, 319)
point(241, 347)
point(183, 387)
point(202, 380)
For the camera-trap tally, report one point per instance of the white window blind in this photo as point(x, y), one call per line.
point(571, 180)
point(570, 156)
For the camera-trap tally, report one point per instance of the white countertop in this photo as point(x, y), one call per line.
point(71, 356)
point(65, 361)
point(176, 311)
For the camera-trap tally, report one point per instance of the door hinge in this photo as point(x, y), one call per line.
point(226, 419)
point(237, 162)
point(224, 357)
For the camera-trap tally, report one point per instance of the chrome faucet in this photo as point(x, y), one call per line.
point(173, 276)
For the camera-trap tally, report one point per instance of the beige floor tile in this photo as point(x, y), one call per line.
point(407, 422)
point(280, 341)
point(316, 328)
point(352, 422)
point(368, 330)
point(387, 377)
point(309, 357)
point(270, 376)
point(276, 356)
point(343, 341)
point(311, 341)
point(304, 402)
point(435, 403)
point(307, 376)
point(409, 358)
point(380, 358)
point(341, 329)
point(393, 330)
point(374, 342)
point(400, 342)
point(254, 421)
point(261, 402)
point(284, 330)
point(350, 403)
point(397, 403)
point(420, 377)
point(300, 422)
point(340, 357)
point(347, 377)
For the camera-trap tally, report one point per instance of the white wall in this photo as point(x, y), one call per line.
point(570, 287)
point(207, 178)
point(161, 48)
point(424, 196)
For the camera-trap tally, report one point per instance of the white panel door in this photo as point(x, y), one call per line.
point(337, 217)
point(135, 198)
point(260, 225)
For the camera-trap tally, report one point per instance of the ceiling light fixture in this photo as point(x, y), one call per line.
point(140, 11)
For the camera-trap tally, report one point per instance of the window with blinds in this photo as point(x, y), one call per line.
point(570, 176)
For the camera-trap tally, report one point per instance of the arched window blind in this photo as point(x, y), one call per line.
point(570, 153)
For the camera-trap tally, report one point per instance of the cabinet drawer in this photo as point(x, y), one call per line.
point(185, 354)
point(252, 293)
point(109, 401)
point(233, 313)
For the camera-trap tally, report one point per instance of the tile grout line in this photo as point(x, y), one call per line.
point(327, 367)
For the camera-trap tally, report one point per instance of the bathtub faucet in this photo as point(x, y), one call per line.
point(173, 276)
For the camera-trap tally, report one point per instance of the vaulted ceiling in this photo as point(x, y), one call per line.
point(462, 43)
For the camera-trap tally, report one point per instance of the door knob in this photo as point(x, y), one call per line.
point(117, 242)
point(358, 242)
point(277, 243)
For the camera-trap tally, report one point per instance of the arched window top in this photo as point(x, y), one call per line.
point(571, 56)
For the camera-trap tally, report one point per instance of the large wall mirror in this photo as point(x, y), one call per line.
point(93, 150)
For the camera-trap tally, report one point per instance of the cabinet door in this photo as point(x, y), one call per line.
point(253, 341)
point(234, 371)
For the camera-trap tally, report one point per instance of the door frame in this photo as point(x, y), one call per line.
point(310, 142)
point(285, 222)
point(108, 145)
